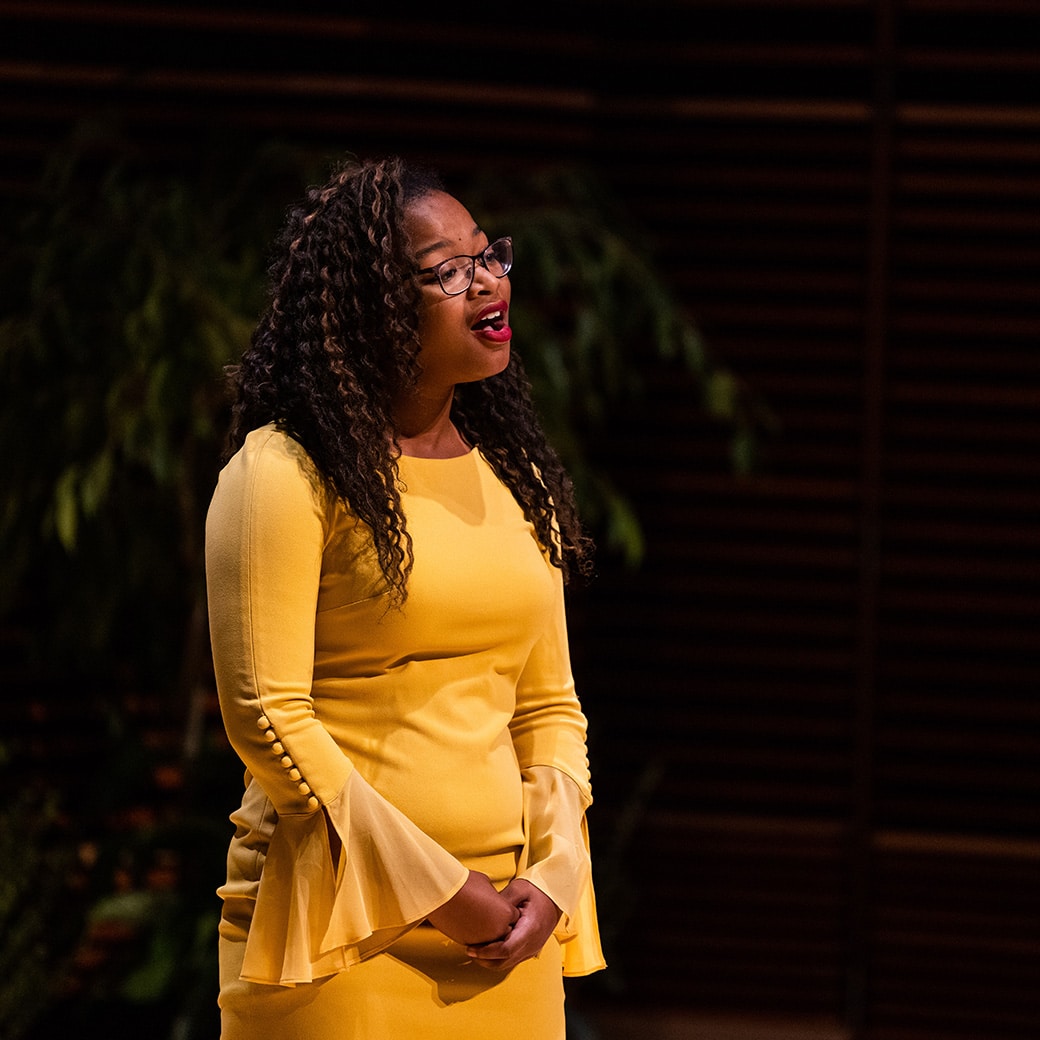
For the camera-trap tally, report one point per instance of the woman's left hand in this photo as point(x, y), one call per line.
point(538, 918)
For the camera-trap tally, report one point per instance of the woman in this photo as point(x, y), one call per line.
point(386, 550)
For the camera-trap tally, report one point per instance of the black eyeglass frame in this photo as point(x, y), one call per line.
point(481, 257)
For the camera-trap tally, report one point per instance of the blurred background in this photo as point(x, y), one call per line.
point(777, 290)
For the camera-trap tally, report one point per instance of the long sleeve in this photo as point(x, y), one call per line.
point(265, 534)
point(548, 727)
point(267, 529)
point(557, 856)
point(549, 734)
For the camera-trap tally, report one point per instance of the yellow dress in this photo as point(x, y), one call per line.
point(435, 738)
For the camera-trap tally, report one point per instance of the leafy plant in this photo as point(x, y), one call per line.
point(123, 294)
point(123, 297)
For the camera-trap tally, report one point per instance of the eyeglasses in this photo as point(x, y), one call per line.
point(456, 273)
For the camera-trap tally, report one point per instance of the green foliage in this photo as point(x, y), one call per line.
point(123, 296)
point(124, 293)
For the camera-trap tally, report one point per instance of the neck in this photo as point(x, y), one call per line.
point(425, 429)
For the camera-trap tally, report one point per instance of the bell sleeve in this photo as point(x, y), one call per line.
point(265, 534)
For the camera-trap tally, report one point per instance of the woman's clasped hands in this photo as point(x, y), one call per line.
point(498, 929)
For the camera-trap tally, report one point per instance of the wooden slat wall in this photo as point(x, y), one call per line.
point(818, 696)
point(956, 738)
point(743, 628)
point(846, 650)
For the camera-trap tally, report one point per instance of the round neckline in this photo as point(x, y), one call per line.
point(438, 458)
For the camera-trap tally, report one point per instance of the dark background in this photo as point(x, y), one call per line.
point(814, 706)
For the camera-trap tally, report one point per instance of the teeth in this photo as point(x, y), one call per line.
point(489, 319)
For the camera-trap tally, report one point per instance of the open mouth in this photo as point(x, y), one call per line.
point(495, 320)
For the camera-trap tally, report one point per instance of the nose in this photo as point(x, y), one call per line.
point(483, 279)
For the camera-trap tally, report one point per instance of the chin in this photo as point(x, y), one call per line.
point(503, 361)
point(496, 365)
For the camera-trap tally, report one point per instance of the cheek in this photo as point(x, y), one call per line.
point(437, 338)
point(423, 326)
point(440, 318)
point(427, 325)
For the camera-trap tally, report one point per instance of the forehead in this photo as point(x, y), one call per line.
point(438, 221)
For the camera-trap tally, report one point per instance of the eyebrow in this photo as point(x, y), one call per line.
point(444, 244)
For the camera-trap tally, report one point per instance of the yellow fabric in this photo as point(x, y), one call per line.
point(311, 919)
point(424, 988)
point(442, 736)
point(556, 859)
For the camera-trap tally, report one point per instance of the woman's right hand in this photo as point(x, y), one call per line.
point(477, 913)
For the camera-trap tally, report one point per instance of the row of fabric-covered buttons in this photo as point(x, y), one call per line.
point(264, 725)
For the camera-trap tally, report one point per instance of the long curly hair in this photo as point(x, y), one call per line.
point(339, 340)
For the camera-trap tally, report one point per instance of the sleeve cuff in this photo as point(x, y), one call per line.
point(312, 919)
point(557, 861)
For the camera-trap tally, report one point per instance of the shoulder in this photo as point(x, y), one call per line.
point(268, 510)
point(269, 453)
point(273, 467)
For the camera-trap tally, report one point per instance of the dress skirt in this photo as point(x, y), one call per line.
point(423, 987)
